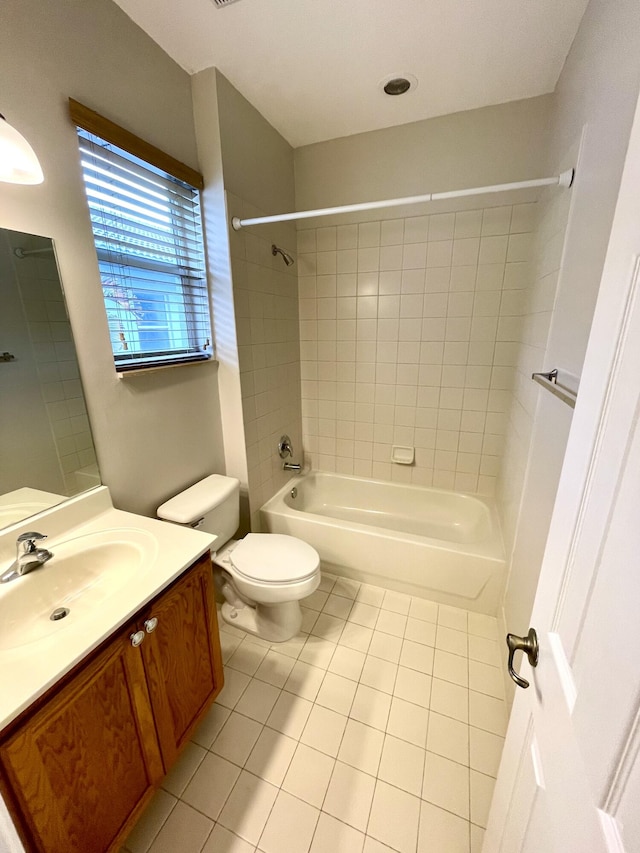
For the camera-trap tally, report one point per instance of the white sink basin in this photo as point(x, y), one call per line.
point(82, 573)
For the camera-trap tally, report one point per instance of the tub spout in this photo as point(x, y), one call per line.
point(291, 466)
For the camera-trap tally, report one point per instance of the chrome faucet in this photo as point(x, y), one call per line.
point(28, 556)
point(285, 448)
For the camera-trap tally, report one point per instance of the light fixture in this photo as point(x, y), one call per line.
point(18, 162)
point(398, 84)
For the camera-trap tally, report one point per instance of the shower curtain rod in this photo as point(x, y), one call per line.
point(563, 180)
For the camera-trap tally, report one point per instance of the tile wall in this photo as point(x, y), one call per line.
point(266, 315)
point(409, 335)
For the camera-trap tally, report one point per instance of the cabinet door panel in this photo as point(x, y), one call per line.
point(81, 765)
point(182, 657)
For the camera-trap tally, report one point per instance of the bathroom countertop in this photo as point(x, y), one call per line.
point(29, 670)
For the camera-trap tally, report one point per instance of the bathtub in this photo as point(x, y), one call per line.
point(445, 546)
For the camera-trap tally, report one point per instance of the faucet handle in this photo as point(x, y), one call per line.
point(31, 538)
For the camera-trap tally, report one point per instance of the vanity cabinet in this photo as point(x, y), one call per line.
point(78, 768)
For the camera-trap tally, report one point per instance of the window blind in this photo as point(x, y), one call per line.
point(147, 230)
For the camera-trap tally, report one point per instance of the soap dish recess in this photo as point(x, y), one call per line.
point(402, 455)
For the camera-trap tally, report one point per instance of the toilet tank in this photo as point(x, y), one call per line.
point(211, 505)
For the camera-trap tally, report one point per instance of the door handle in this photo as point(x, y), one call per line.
point(528, 645)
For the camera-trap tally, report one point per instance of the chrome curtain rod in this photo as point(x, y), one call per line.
point(563, 180)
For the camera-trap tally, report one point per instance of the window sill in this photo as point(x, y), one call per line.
point(126, 374)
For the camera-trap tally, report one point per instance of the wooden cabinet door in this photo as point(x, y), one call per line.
point(82, 768)
point(182, 657)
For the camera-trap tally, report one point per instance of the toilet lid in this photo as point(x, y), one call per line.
point(274, 557)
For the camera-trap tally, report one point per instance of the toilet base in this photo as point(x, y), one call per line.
point(276, 623)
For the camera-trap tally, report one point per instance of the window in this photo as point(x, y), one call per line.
point(147, 230)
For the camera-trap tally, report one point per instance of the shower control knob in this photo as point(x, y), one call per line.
point(137, 638)
point(150, 625)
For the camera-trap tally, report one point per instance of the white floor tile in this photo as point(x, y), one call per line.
point(247, 657)
point(361, 747)
point(402, 765)
point(477, 838)
point(317, 600)
point(309, 618)
point(304, 680)
point(275, 668)
point(364, 614)
point(484, 678)
point(483, 626)
point(391, 623)
point(417, 656)
point(178, 777)
point(380, 674)
point(309, 774)
point(481, 793)
point(337, 605)
point(337, 693)
point(248, 807)
point(441, 831)
point(449, 738)
point(237, 738)
point(372, 845)
point(292, 647)
point(451, 640)
point(450, 699)
point(151, 822)
point(422, 609)
point(446, 784)
point(185, 830)
point(333, 836)
point(413, 686)
point(408, 721)
point(346, 587)
point(452, 617)
point(485, 751)
point(324, 730)
point(228, 645)
point(271, 756)
point(420, 632)
point(349, 796)
point(234, 686)
point(328, 627)
point(290, 715)
point(258, 700)
point(210, 726)
point(290, 826)
point(487, 713)
point(371, 595)
point(356, 637)
point(394, 819)
point(485, 651)
point(385, 647)
point(223, 841)
point(347, 662)
point(327, 582)
point(371, 707)
point(451, 668)
point(211, 785)
point(397, 602)
point(317, 652)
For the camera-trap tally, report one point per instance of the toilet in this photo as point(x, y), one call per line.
point(261, 577)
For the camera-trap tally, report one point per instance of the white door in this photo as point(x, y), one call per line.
point(569, 781)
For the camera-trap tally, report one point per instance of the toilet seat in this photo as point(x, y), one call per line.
point(274, 558)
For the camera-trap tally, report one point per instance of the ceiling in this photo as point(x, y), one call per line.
point(313, 69)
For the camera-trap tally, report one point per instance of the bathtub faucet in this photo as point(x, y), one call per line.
point(291, 466)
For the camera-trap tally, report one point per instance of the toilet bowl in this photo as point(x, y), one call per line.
point(261, 577)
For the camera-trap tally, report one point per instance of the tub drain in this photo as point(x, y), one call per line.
point(59, 613)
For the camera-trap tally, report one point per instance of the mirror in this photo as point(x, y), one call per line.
point(46, 447)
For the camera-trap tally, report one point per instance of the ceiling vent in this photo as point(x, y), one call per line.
point(220, 3)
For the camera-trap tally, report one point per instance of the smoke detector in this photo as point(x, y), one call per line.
point(220, 3)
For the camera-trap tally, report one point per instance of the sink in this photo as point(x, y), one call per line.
point(83, 572)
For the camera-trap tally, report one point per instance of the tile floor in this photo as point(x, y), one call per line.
point(378, 729)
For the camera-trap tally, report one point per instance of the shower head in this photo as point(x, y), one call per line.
point(276, 250)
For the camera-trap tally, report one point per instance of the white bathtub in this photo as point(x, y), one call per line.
point(441, 545)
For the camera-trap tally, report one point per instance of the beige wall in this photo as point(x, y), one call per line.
point(597, 93)
point(158, 433)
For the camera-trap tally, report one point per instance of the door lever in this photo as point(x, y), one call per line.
point(529, 645)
